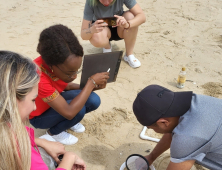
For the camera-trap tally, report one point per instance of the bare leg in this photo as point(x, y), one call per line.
point(101, 39)
point(128, 35)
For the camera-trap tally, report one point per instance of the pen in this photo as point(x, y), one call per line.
point(108, 70)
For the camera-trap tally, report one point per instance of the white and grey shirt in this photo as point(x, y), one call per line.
point(198, 136)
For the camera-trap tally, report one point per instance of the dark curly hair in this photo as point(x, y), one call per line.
point(56, 43)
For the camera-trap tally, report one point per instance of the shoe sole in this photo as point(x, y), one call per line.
point(78, 131)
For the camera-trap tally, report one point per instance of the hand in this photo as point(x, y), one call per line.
point(54, 149)
point(101, 79)
point(72, 161)
point(121, 22)
point(98, 26)
point(79, 164)
point(101, 86)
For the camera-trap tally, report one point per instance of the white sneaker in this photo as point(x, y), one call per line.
point(47, 137)
point(78, 128)
point(108, 50)
point(132, 60)
point(65, 138)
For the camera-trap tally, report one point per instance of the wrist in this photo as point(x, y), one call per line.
point(90, 30)
point(92, 80)
point(127, 26)
point(67, 161)
point(90, 84)
point(70, 155)
point(152, 157)
point(41, 142)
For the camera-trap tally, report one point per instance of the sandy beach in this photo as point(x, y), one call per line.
point(183, 33)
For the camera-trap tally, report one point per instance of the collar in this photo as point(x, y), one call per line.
point(45, 68)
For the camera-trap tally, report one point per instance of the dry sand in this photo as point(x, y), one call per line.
point(176, 33)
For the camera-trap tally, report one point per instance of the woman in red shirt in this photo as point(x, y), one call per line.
point(61, 105)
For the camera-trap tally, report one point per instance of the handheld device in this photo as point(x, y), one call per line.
point(60, 158)
point(111, 21)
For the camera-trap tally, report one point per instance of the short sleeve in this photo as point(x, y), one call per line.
point(46, 91)
point(130, 3)
point(88, 12)
point(185, 148)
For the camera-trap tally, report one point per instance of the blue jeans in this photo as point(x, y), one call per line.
point(56, 122)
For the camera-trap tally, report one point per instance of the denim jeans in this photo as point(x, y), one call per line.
point(56, 122)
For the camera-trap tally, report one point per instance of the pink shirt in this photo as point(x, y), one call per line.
point(36, 160)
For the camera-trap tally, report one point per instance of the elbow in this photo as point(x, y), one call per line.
point(69, 117)
point(144, 18)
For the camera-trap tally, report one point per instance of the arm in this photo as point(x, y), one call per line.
point(71, 161)
point(86, 32)
point(139, 16)
point(69, 111)
point(181, 166)
point(54, 149)
point(88, 29)
point(72, 86)
point(161, 147)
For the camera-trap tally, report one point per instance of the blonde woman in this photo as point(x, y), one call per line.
point(18, 147)
point(100, 34)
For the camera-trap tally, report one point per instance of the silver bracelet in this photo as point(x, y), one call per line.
point(93, 82)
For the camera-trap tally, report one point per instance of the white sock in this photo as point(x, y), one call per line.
point(107, 50)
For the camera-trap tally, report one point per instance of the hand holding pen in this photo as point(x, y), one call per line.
point(100, 79)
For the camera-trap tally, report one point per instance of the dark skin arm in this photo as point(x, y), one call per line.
point(72, 86)
point(69, 111)
point(181, 166)
point(161, 147)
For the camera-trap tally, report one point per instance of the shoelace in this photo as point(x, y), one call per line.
point(77, 126)
point(62, 135)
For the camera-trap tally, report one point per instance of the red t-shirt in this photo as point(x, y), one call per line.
point(50, 88)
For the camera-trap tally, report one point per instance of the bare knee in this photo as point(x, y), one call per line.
point(96, 40)
point(128, 15)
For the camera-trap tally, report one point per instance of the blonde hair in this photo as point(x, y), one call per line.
point(18, 75)
point(95, 2)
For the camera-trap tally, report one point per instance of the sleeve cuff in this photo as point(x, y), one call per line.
point(174, 160)
point(51, 97)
